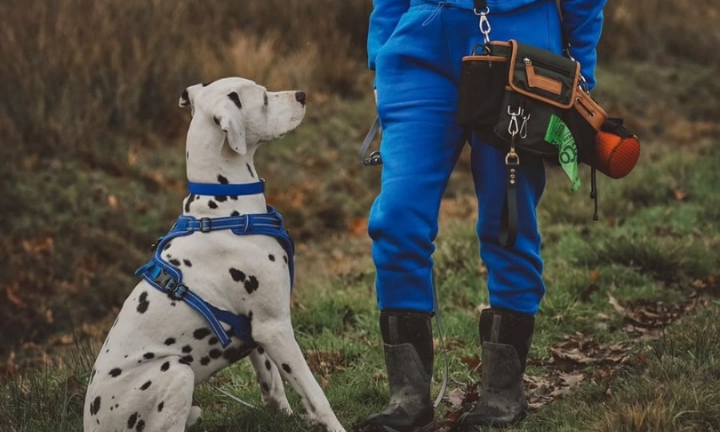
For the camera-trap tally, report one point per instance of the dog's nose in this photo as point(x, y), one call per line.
point(300, 97)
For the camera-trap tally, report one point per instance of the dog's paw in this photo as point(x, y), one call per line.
point(194, 416)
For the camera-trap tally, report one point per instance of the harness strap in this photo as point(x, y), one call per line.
point(226, 189)
point(168, 279)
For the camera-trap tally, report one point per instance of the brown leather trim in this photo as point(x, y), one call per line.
point(590, 110)
point(485, 58)
point(499, 43)
point(511, 70)
point(541, 82)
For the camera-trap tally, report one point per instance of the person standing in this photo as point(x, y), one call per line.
point(415, 48)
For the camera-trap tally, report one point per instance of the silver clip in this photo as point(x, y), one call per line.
point(514, 127)
point(523, 126)
point(484, 23)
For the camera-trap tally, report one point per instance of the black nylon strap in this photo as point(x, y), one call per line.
point(509, 218)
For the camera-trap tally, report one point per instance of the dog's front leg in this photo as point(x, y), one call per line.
point(279, 343)
point(269, 380)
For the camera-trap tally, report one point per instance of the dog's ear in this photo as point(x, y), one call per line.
point(184, 99)
point(231, 121)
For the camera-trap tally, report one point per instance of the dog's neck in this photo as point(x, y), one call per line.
point(212, 162)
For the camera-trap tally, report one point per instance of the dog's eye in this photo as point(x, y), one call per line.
point(265, 99)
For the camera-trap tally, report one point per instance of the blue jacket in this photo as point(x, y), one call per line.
point(582, 25)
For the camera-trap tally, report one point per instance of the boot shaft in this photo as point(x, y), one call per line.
point(408, 327)
point(503, 327)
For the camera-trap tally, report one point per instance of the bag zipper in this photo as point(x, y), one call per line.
point(553, 68)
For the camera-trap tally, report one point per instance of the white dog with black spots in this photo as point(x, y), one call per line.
point(159, 349)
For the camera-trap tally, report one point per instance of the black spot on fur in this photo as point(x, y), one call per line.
point(260, 350)
point(186, 360)
point(169, 341)
point(222, 179)
point(271, 257)
point(143, 304)
point(267, 365)
point(167, 245)
point(204, 361)
point(185, 96)
point(212, 204)
point(148, 356)
point(160, 406)
point(146, 385)
point(237, 275)
point(115, 372)
point(187, 262)
point(236, 99)
point(252, 174)
point(201, 333)
point(190, 199)
point(165, 366)
point(216, 120)
point(215, 353)
point(285, 259)
point(251, 284)
point(140, 426)
point(235, 213)
point(95, 406)
point(234, 354)
point(221, 198)
point(213, 340)
point(187, 155)
point(132, 420)
point(175, 262)
point(265, 387)
point(187, 349)
point(205, 84)
point(286, 368)
point(233, 197)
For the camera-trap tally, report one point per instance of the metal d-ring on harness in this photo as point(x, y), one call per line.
point(169, 279)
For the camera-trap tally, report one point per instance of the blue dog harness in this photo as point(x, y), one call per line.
point(168, 279)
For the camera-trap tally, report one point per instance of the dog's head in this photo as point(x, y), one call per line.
point(246, 112)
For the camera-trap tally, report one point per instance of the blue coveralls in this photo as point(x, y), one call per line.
point(416, 49)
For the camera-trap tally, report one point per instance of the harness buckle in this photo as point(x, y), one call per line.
point(175, 290)
point(205, 225)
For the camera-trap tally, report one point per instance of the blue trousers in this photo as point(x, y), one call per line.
point(417, 74)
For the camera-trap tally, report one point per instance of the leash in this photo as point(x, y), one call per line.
point(168, 279)
point(374, 158)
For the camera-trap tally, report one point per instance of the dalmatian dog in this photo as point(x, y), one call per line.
point(159, 348)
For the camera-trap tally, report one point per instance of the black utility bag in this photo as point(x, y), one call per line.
point(509, 91)
point(528, 102)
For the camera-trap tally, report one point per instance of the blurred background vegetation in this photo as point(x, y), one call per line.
point(91, 137)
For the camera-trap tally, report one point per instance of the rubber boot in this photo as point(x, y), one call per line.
point(408, 346)
point(505, 338)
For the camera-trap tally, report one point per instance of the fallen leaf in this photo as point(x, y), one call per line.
point(615, 304)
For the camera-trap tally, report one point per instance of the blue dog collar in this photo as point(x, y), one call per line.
point(226, 189)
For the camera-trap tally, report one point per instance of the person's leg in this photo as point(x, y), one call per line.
point(420, 145)
point(515, 281)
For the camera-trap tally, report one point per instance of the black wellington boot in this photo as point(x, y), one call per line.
point(505, 338)
point(407, 337)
